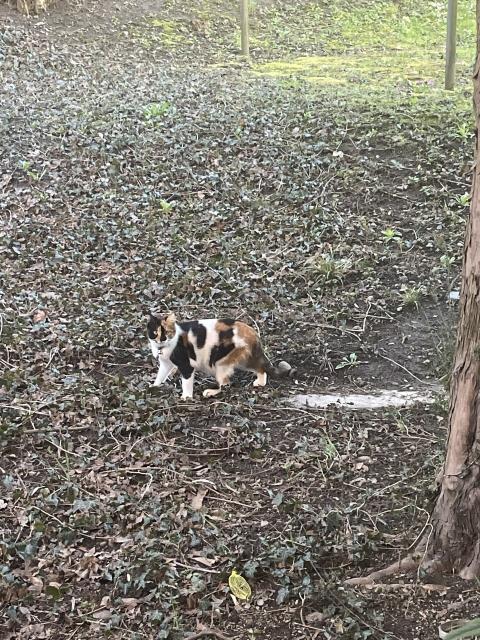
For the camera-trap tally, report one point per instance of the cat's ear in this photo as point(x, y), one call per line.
point(169, 322)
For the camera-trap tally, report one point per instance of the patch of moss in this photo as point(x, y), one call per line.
point(382, 69)
point(170, 31)
point(381, 50)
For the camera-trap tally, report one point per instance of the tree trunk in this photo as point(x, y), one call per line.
point(453, 541)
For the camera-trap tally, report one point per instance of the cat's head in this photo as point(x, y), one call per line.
point(161, 328)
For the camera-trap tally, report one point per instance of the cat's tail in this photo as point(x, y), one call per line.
point(258, 362)
point(282, 370)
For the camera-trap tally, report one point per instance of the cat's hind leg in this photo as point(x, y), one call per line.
point(257, 363)
point(261, 380)
point(222, 374)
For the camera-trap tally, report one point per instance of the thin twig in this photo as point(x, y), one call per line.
point(431, 384)
point(208, 632)
point(28, 410)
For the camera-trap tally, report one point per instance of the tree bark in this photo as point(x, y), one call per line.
point(453, 540)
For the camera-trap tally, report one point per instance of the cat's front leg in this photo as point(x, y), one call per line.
point(187, 387)
point(154, 348)
point(162, 374)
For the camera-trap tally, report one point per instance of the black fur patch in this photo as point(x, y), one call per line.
point(198, 330)
point(191, 351)
point(227, 321)
point(152, 329)
point(226, 336)
point(180, 357)
point(219, 352)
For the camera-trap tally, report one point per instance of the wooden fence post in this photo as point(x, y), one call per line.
point(244, 27)
point(451, 47)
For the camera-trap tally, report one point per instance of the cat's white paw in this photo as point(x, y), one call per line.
point(184, 397)
point(261, 380)
point(209, 393)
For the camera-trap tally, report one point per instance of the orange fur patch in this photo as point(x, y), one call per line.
point(235, 358)
point(239, 356)
point(247, 334)
point(168, 324)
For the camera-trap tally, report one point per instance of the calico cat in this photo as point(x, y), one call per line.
point(213, 346)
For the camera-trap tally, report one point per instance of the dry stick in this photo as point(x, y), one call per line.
point(431, 384)
point(23, 409)
point(207, 632)
point(42, 430)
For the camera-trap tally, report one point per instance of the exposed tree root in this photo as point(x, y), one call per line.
point(417, 560)
point(405, 565)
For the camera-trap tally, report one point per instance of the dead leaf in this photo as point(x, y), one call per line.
point(39, 316)
point(130, 603)
point(37, 584)
point(314, 616)
point(104, 614)
point(207, 562)
point(33, 631)
point(197, 501)
point(339, 628)
point(440, 588)
point(5, 180)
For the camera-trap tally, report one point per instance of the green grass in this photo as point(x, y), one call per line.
point(379, 44)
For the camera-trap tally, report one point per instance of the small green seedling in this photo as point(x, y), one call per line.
point(464, 130)
point(165, 206)
point(447, 262)
point(350, 361)
point(411, 297)
point(25, 166)
point(156, 110)
point(390, 234)
point(463, 200)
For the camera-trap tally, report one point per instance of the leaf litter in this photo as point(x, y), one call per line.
point(137, 171)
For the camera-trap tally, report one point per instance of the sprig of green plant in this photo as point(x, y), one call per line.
point(156, 110)
point(25, 166)
point(165, 206)
point(391, 234)
point(348, 361)
point(411, 296)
